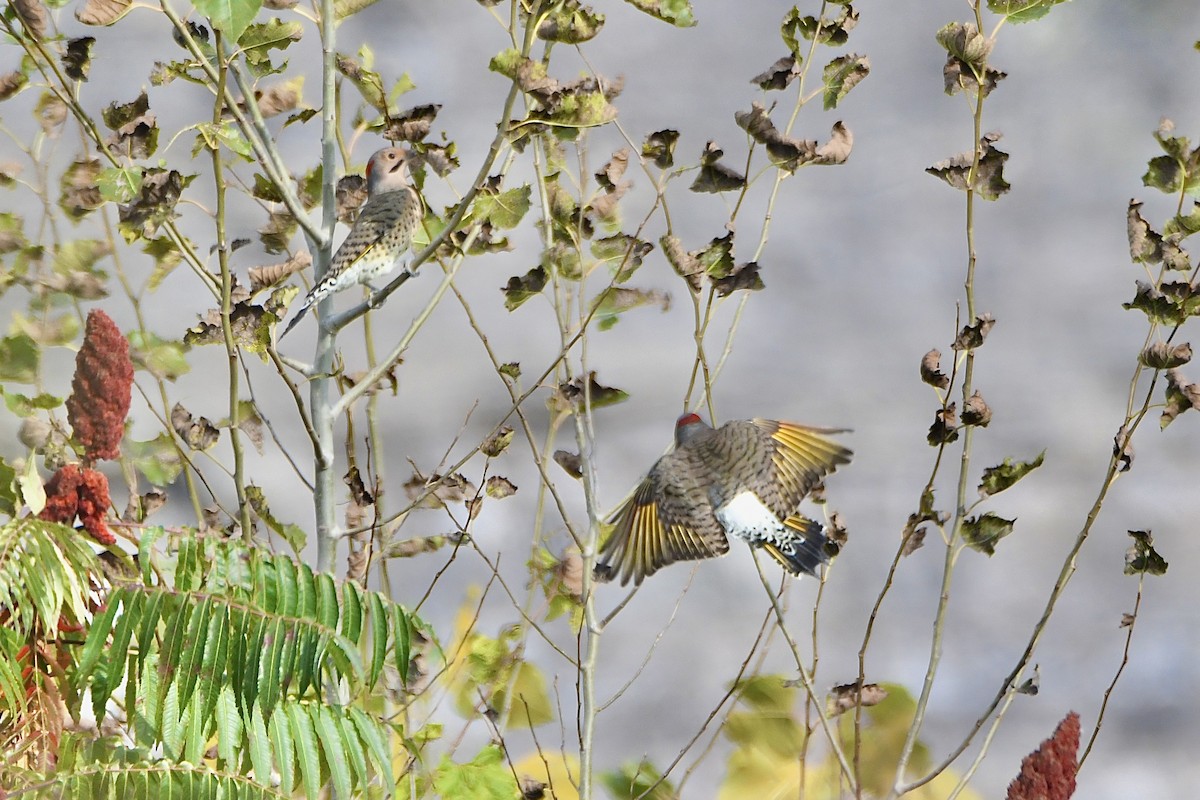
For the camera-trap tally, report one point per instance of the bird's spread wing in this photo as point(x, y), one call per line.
point(647, 536)
point(802, 457)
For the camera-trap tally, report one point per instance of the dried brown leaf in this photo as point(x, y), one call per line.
point(845, 697)
point(269, 275)
point(931, 371)
point(571, 463)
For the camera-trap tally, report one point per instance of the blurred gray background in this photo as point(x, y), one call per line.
point(863, 268)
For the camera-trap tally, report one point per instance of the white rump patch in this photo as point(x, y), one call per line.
point(748, 519)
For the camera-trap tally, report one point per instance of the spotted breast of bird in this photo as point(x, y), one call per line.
point(745, 479)
point(381, 234)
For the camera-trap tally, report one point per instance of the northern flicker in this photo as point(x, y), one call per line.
point(744, 479)
point(381, 233)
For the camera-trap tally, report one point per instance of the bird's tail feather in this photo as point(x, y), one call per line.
point(804, 551)
point(303, 310)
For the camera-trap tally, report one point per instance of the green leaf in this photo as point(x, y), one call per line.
point(503, 210)
point(10, 498)
point(120, 184)
point(676, 12)
point(617, 300)
point(346, 8)
point(24, 406)
point(20, 358)
point(161, 358)
point(640, 781)
point(981, 533)
point(211, 136)
point(1022, 10)
point(485, 777)
point(293, 534)
point(841, 75)
point(157, 459)
point(997, 479)
point(530, 705)
point(1142, 558)
point(260, 39)
point(231, 17)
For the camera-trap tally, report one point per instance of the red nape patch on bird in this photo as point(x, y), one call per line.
point(689, 418)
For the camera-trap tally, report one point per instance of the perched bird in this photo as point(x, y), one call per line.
point(381, 234)
point(746, 478)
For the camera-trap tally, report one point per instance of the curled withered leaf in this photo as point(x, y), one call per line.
point(510, 370)
point(998, 478)
point(522, 287)
point(33, 15)
point(742, 277)
point(945, 426)
point(438, 489)
point(686, 265)
point(1181, 396)
point(1127, 620)
point(271, 274)
point(1033, 684)
point(837, 149)
point(197, 433)
point(1174, 256)
point(80, 193)
point(358, 490)
point(983, 532)
point(154, 205)
point(964, 41)
point(251, 326)
point(841, 75)
point(277, 232)
point(836, 533)
point(1145, 244)
point(715, 177)
point(413, 125)
point(102, 12)
point(1142, 558)
point(1169, 303)
point(1123, 449)
point(973, 336)
point(914, 537)
point(1163, 355)
point(498, 442)
point(135, 128)
point(988, 180)
point(51, 114)
point(439, 158)
point(976, 411)
point(609, 176)
point(11, 83)
point(569, 23)
point(531, 788)
point(659, 147)
point(844, 697)
point(251, 425)
point(407, 548)
point(500, 487)
point(571, 463)
point(931, 371)
point(77, 60)
point(575, 392)
point(351, 193)
point(778, 75)
point(279, 97)
point(958, 76)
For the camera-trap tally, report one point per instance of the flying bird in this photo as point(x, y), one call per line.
point(744, 479)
